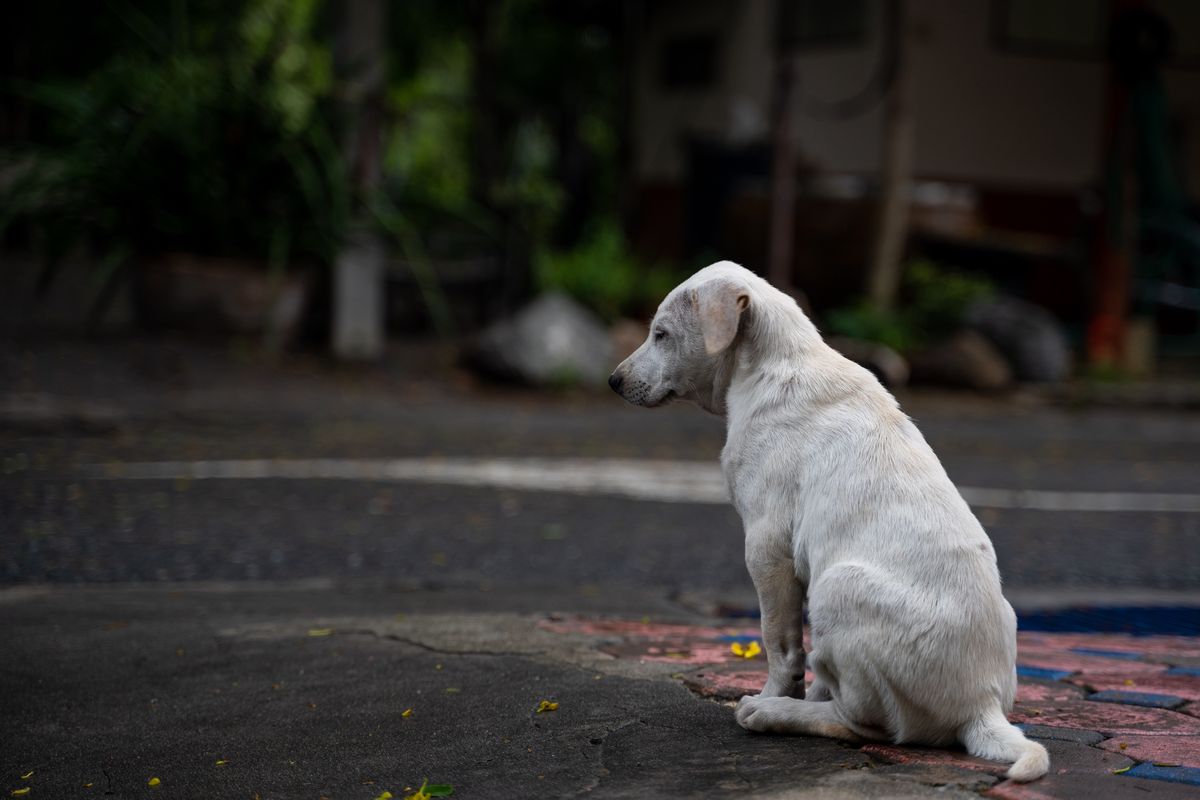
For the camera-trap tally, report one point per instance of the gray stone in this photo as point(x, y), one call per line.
point(1073, 757)
point(967, 360)
point(553, 341)
point(940, 775)
point(885, 363)
point(1062, 734)
point(1029, 337)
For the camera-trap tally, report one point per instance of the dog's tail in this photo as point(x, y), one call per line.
point(990, 735)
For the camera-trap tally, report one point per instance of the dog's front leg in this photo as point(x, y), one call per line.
point(781, 600)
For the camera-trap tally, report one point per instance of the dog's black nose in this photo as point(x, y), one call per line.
point(615, 382)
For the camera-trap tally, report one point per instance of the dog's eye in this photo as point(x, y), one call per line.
point(659, 335)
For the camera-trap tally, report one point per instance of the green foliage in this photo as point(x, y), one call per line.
point(427, 157)
point(864, 321)
point(602, 274)
point(530, 190)
point(215, 140)
point(551, 98)
point(933, 302)
point(937, 297)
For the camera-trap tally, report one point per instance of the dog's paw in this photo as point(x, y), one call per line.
point(759, 713)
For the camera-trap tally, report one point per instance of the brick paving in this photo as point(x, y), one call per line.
point(1124, 702)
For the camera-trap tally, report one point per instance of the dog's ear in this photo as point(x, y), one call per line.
point(719, 305)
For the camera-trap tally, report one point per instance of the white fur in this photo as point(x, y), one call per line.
point(844, 502)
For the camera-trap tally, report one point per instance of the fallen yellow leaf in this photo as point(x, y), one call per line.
point(21, 791)
point(320, 631)
point(545, 706)
point(406, 713)
point(1121, 770)
point(385, 796)
point(745, 651)
point(153, 782)
point(221, 762)
point(27, 775)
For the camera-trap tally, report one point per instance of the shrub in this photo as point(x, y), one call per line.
point(934, 301)
point(603, 275)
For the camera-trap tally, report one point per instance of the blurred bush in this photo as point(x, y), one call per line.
point(215, 138)
point(933, 303)
point(604, 275)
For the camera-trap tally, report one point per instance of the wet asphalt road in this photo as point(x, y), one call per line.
point(56, 526)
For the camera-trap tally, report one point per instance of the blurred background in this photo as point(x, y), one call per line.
point(335, 234)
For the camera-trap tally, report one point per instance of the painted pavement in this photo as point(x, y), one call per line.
point(1130, 703)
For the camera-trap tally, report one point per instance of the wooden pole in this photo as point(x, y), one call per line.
point(781, 232)
point(895, 189)
point(360, 269)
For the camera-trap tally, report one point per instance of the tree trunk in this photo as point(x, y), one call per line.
point(780, 245)
point(359, 272)
point(895, 190)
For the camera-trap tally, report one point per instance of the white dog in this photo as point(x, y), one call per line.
point(842, 499)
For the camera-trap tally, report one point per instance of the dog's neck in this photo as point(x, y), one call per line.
point(778, 350)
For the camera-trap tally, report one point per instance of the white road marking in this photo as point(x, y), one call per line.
point(668, 481)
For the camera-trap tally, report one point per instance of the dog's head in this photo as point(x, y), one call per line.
point(689, 342)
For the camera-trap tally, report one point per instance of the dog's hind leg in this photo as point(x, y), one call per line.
point(818, 692)
point(788, 715)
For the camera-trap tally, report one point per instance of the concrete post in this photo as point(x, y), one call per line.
point(358, 298)
point(359, 272)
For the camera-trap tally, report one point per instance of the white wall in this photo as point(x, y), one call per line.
point(982, 113)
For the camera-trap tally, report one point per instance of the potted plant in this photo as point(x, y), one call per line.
point(207, 174)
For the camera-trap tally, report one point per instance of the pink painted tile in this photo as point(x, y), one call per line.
point(1185, 686)
point(696, 653)
point(1011, 790)
point(730, 684)
point(1150, 646)
point(1181, 750)
point(726, 685)
point(1029, 692)
point(925, 755)
point(1112, 719)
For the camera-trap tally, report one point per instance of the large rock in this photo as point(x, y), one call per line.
point(1029, 337)
point(966, 360)
point(553, 341)
point(882, 361)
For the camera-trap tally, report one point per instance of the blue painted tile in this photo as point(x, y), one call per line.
point(1138, 699)
point(1087, 651)
point(1193, 671)
point(1042, 672)
point(1188, 775)
point(1137, 620)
